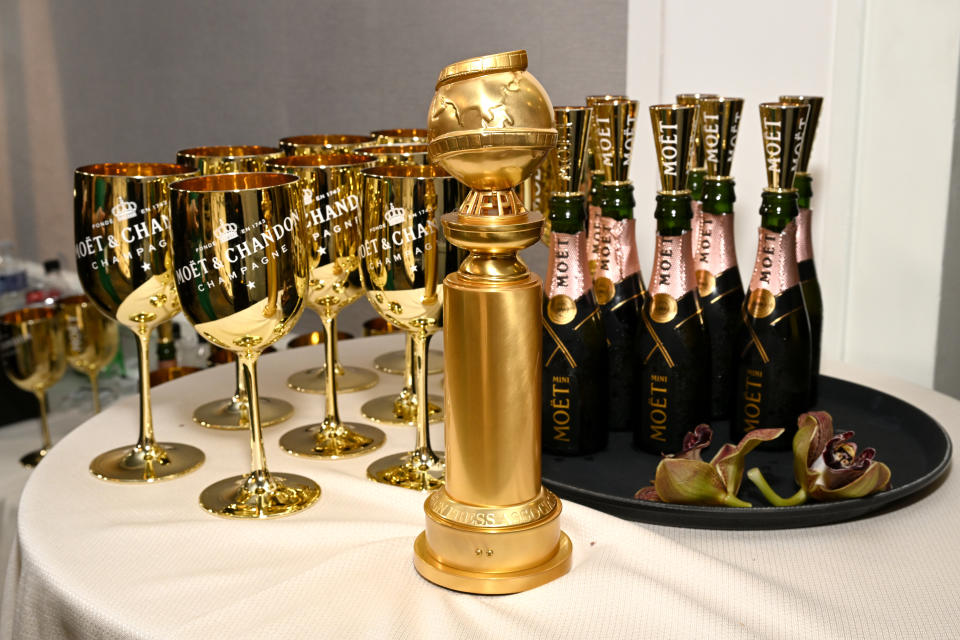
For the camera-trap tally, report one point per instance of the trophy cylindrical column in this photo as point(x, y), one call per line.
point(492, 338)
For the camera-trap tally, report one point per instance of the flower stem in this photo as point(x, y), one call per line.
point(734, 501)
point(756, 477)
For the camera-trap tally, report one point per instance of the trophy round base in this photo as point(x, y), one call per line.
point(227, 415)
point(405, 470)
point(242, 497)
point(347, 440)
point(492, 583)
point(132, 464)
point(32, 459)
point(383, 410)
point(395, 362)
point(315, 380)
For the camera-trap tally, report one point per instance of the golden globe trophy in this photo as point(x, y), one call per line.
point(493, 528)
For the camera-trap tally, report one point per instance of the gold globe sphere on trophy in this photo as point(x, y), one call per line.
point(493, 528)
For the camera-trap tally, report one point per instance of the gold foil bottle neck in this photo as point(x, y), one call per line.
point(782, 129)
point(572, 126)
point(673, 126)
point(695, 100)
point(810, 130)
point(719, 125)
point(614, 123)
point(482, 65)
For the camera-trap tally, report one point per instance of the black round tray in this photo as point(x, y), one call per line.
point(911, 443)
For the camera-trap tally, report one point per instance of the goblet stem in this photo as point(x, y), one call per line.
point(240, 393)
point(248, 373)
point(44, 427)
point(330, 349)
point(95, 389)
point(408, 383)
point(146, 440)
point(424, 454)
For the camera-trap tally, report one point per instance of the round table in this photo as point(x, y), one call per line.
point(100, 560)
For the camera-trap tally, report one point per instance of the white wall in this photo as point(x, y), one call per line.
point(888, 73)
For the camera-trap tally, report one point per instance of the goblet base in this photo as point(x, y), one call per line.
point(346, 440)
point(228, 415)
point(32, 459)
point(395, 362)
point(383, 410)
point(167, 460)
point(408, 471)
point(493, 582)
point(315, 380)
point(281, 494)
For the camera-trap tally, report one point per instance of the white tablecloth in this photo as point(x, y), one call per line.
point(98, 560)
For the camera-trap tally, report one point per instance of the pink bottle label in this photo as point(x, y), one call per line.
point(804, 235)
point(567, 271)
point(776, 267)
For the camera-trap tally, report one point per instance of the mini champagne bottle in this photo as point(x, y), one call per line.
point(773, 372)
point(808, 272)
point(697, 170)
point(674, 348)
point(715, 255)
point(574, 417)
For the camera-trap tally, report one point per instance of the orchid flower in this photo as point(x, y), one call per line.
point(827, 466)
point(684, 478)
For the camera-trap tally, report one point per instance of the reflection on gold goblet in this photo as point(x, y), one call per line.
point(404, 260)
point(122, 229)
point(331, 181)
point(231, 413)
point(330, 192)
point(395, 154)
point(391, 136)
point(33, 357)
point(92, 340)
point(308, 145)
point(241, 274)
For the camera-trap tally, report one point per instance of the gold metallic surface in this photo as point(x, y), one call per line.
point(308, 145)
point(782, 130)
point(761, 303)
point(394, 362)
point(329, 192)
point(663, 307)
point(240, 264)
point(673, 127)
point(694, 100)
point(810, 127)
point(227, 159)
point(232, 414)
point(573, 123)
point(611, 135)
point(92, 340)
point(401, 409)
point(405, 258)
point(33, 350)
point(395, 154)
point(122, 234)
point(706, 282)
point(718, 128)
point(391, 136)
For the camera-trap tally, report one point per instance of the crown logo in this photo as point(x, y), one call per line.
point(395, 215)
point(226, 231)
point(124, 210)
point(307, 196)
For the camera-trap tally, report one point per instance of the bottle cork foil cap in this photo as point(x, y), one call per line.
point(615, 119)
point(673, 126)
point(782, 129)
point(719, 124)
point(810, 130)
point(572, 124)
point(695, 100)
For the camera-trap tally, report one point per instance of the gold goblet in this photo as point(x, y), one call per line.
point(391, 136)
point(330, 192)
point(404, 260)
point(33, 357)
point(231, 413)
point(405, 147)
point(309, 145)
point(92, 340)
point(122, 229)
point(331, 183)
point(241, 274)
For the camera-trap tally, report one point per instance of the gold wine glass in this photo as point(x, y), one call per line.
point(33, 357)
point(308, 145)
point(401, 147)
point(92, 340)
point(122, 230)
point(404, 260)
point(231, 413)
point(241, 274)
point(391, 136)
point(330, 192)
